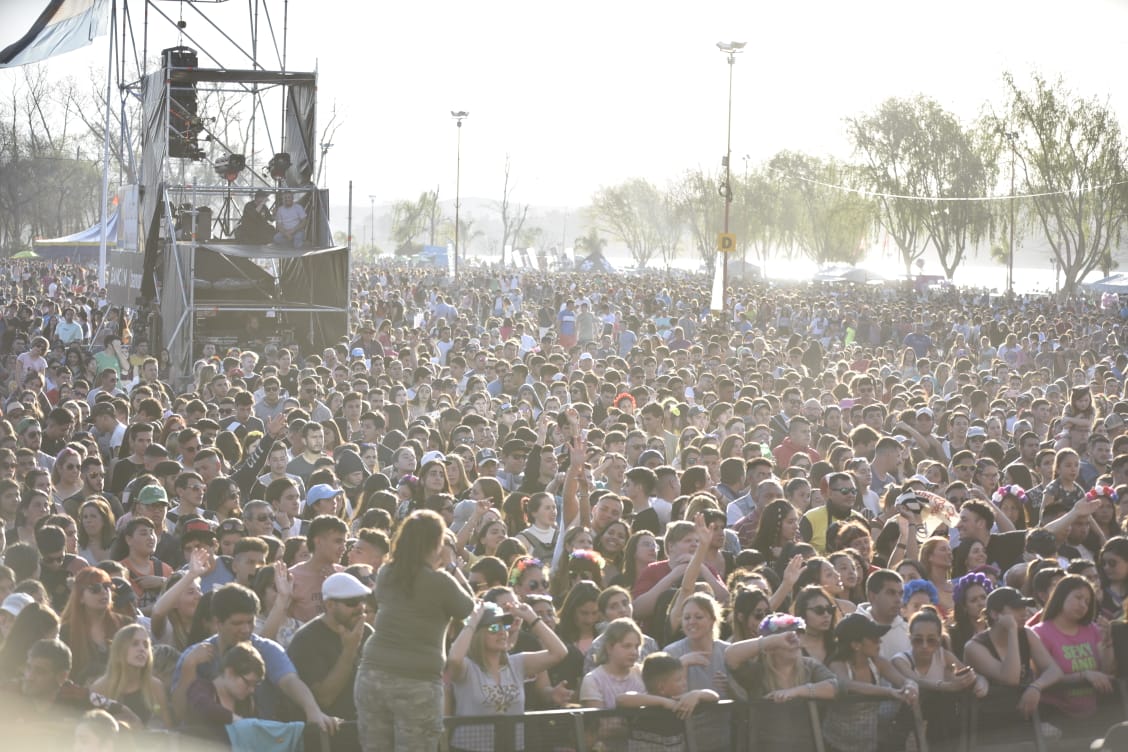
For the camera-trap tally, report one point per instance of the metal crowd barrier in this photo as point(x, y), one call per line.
point(748, 726)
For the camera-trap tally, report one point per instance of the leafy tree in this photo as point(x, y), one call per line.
point(701, 206)
point(765, 205)
point(590, 243)
point(410, 219)
point(832, 221)
point(633, 212)
point(1070, 149)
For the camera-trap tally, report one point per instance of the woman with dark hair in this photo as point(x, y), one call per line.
point(1078, 646)
point(89, 624)
point(433, 480)
point(749, 608)
point(33, 507)
point(970, 600)
point(968, 557)
point(938, 670)
point(1113, 569)
point(540, 470)
point(576, 628)
point(222, 498)
point(640, 552)
point(1064, 488)
point(779, 525)
point(485, 677)
point(819, 571)
point(816, 607)
point(611, 544)
point(399, 690)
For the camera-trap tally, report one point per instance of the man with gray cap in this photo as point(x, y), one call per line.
point(326, 650)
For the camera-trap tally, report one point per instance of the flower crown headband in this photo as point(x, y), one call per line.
point(519, 567)
point(1013, 489)
point(577, 558)
point(1100, 490)
point(780, 623)
point(975, 578)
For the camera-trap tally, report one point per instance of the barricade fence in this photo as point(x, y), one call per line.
point(967, 723)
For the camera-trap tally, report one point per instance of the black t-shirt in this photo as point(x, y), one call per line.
point(314, 650)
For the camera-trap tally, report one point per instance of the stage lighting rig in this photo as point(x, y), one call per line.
point(230, 166)
point(278, 165)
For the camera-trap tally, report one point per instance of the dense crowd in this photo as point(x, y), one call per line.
point(528, 490)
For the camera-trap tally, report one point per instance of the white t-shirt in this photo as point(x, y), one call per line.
point(287, 218)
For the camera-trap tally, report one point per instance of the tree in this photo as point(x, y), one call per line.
point(635, 213)
point(512, 216)
point(765, 205)
point(1071, 157)
point(701, 208)
point(410, 219)
point(833, 219)
point(590, 243)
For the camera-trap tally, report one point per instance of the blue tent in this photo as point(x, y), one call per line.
point(81, 246)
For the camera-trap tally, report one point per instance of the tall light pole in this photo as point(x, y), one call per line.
point(1011, 137)
point(372, 224)
point(730, 49)
point(458, 118)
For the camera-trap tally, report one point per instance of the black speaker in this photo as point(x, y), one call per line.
point(183, 120)
point(203, 224)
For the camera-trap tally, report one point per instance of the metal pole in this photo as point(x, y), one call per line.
point(728, 184)
point(103, 281)
point(457, 191)
point(1010, 256)
point(372, 224)
point(459, 116)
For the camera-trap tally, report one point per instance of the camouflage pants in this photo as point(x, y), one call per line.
point(395, 714)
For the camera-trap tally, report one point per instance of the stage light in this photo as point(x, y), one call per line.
point(279, 165)
point(230, 166)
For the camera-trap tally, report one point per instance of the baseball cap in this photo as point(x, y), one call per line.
point(342, 586)
point(856, 627)
point(320, 492)
point(924, 411)
point(432, 456)
point(586, 356)
point(357, 352)
point(25, 424)
point(152, 494)
point(1008, 597)
point(977, 431)
point(650, 454)
point(15, 603)
point(484, 456)
point(232, 525)
point(194, 527)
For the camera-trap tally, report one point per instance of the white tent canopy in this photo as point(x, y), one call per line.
point(1117, 283)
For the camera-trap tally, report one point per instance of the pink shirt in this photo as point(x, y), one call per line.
point(1074, 653)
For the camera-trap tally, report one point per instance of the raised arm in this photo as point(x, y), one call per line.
point(692, 571)
point(198, 565)
point(554, 648)
point(456, 658)
point(284, 587)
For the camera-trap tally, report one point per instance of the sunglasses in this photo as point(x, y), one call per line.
point(498, 627)
point(922, 640)
point(536, 585)
point(820, 610)
point(845, 490)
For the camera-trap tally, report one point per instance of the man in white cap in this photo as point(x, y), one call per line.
point(326, 650)
point(10, 609)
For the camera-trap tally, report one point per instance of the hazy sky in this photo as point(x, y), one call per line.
point(586, 93)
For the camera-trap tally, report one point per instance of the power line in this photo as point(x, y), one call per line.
point(904, 197)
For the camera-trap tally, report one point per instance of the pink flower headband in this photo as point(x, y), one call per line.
point(780, 623)
point(578, 557)
point(1013, 489)
point(1100, 490)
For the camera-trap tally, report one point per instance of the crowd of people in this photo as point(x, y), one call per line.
point(537, 490)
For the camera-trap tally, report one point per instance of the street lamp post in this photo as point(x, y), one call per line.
point(458, 116)
point(1011, 137)
point(730, 49)
point(372, 224)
